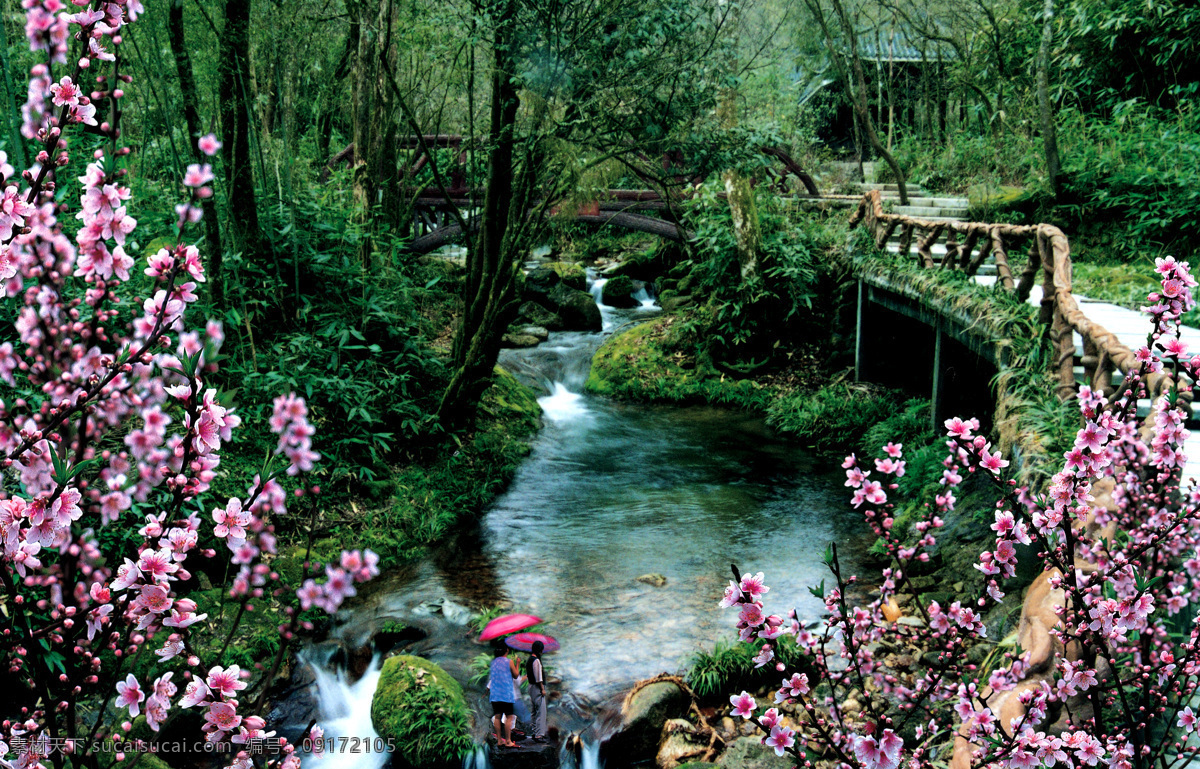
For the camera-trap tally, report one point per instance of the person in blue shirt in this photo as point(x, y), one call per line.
point(502, 694)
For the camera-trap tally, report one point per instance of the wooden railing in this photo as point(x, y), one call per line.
point(968, 245)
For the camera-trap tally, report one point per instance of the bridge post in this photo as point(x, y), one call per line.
point(859, 363)
point(939, 382)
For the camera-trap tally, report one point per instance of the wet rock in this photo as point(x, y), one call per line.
point(657, 580)
point(453, 612)
point(519, 341)
point(393, 634)
point(538, 331)
point(680, 743)
point(750, 753)
point(577, 309)
point(527, 755)
point(539, 316)
point(672, 303)
point(539, 283)
point(642, 717)
point(618, 292)
point(355, 660)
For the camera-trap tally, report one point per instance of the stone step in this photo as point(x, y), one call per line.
point(913, 189)
point(929, 212)
point(955, 203)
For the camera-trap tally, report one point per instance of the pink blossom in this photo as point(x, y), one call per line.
point(781, 738)
point(194, 693)
point(225, 681)
point(209, 144)
point(130, 695)
point(743, 704)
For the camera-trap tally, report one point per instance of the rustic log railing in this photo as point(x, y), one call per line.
point(968, 245)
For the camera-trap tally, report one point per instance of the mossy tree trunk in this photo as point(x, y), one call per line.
point(234, 95)
point(375, 183)
point(488, 290)
point(1049, 134)
point(747, 228)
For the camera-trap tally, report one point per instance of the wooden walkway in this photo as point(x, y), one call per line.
point(1093, 342)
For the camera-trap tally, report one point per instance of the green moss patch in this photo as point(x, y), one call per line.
point(433, 496)
point(571, 274)
point(642, 364)
point(421, 708)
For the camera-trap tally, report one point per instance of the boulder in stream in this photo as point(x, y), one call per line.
point(539, 317)
point(527, 755)
point(681, 743)
point(618, 292)
point(571, 274)
point(421, 709)
point(577, 309)
point(647, 707)
point(519, 341)
point(654, 580)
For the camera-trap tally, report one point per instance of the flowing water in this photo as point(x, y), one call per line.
point(612, 492)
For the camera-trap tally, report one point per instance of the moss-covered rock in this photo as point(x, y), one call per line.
point(639, 364)
point(537, 315)
point(618, 292)
point(569, 273)
point(577, 309)
point(421, 708)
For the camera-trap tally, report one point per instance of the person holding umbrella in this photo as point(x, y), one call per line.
point(537, 690)
point(502, 693)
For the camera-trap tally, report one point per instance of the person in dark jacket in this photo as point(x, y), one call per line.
point(537, 691)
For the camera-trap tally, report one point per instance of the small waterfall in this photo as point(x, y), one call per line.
point(480, 758)
point(562, 405)
point(344, 710)
point(647, 299)
point(588, 758)
point(597, 290)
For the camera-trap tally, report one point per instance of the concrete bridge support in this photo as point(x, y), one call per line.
point(902, 343)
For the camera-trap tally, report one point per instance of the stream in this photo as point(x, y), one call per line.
point(609, 493)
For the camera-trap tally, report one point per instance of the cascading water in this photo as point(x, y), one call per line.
point(344, 710)
point(588, 755)
point(611, 497)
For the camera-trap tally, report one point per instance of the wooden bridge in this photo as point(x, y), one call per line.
point(1032, 262)
point(643, 210)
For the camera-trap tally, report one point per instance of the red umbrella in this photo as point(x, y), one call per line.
point(509, 623)
point(523, 642)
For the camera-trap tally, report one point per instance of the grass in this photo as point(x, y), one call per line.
point(435, 494)
point(730, 667)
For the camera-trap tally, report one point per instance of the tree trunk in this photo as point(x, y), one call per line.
point(191, 114)
point(856, 83)
point(490, 272)
point(235, 127)
point(747, 229)
point(1049, 135)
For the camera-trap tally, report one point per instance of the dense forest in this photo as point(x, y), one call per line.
point(278, 271)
